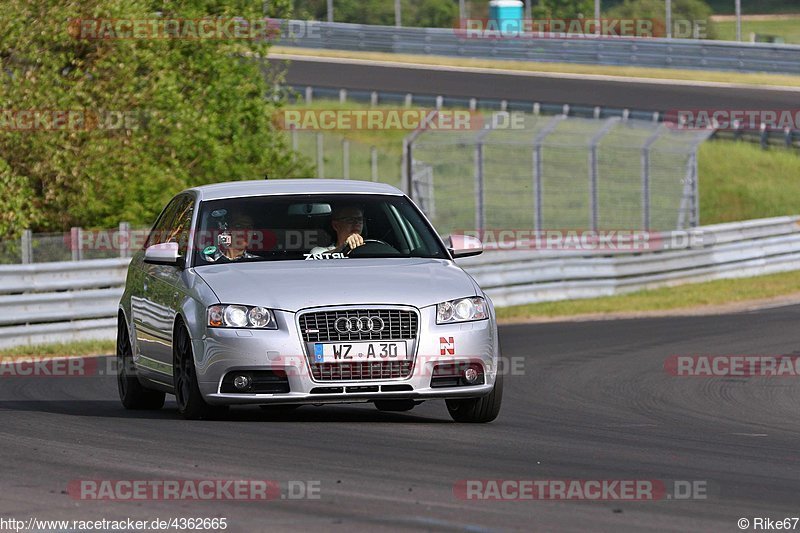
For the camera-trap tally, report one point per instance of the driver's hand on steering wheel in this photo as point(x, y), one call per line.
point(354, 241)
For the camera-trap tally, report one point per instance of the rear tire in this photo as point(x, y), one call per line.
point(187, 392)
point(131, 392)
point(478, 410)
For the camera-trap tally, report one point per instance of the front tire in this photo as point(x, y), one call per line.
point(478, 410)
point(187, 392)
point(131, 392)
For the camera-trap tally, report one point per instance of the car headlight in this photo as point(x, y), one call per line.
point(461, 310)
point(240, 316)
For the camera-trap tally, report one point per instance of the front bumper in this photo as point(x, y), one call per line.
point(221, 351)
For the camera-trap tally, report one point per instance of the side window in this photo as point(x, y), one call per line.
point(179, 231)
point(160, 231)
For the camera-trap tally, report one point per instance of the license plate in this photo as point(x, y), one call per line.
point(349, 352)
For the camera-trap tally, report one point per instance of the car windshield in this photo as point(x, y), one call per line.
point(312, 227)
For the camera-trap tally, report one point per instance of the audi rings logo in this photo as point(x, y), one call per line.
point(364, 324)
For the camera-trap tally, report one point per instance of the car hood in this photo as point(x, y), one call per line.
point(295, 285)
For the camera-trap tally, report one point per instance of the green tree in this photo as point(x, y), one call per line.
point(684, 12)
point(418, 13)
point(563, 9)
point(436, 13)
point(199, 112)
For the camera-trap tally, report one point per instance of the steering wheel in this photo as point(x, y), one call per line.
point(346, 249)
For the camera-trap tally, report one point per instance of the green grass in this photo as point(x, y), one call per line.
point(740, 181)
point(786, 27)
point(692, 296)
point(83, 348)
point(727, 7)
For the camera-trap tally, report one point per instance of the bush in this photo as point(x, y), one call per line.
point(198, 110)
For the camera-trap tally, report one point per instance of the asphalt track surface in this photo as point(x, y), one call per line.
point(551, 88)
point(592, 401)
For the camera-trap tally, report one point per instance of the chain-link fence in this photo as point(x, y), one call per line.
point(545, 172)
point(558, 172)
point(76, 245)
point(336, 156)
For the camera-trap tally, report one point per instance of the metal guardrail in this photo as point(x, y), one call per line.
point(763, 135)
point(36, 309)
point(642, 52)
point(739, 249)
point(48, 303)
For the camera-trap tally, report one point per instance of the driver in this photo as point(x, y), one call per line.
point(348, 223)
point(232, 243)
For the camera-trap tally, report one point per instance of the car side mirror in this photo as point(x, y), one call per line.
point(464, 245)
point(166, 253)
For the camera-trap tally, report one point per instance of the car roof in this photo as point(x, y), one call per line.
point(238, 189)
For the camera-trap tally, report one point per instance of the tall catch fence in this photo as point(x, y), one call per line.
point(558, 172)
point(545, 173)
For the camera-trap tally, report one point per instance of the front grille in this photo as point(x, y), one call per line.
point(367, 370)
point(398, 325)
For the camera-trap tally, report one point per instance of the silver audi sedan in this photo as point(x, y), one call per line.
point(294, 292)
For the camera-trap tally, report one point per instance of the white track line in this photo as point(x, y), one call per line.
point(532, 74)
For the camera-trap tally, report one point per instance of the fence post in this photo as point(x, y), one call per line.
point(124, 239)
point(538, 199)
point(320, 156)
point(295, 143)
point(479, 185)
point(309, 95)
point(373, 98)
point(407, 161)
point(27, 247)
point(594, 190)
point(373, 156)
point(646, 147)
point(695, 192)
point(480, 190)
point(346, 159)
point(342, 96)
point(406, 164)
point(77, 245)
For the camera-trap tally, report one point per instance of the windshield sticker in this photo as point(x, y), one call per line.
point(209, 250)
point(325, 255)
